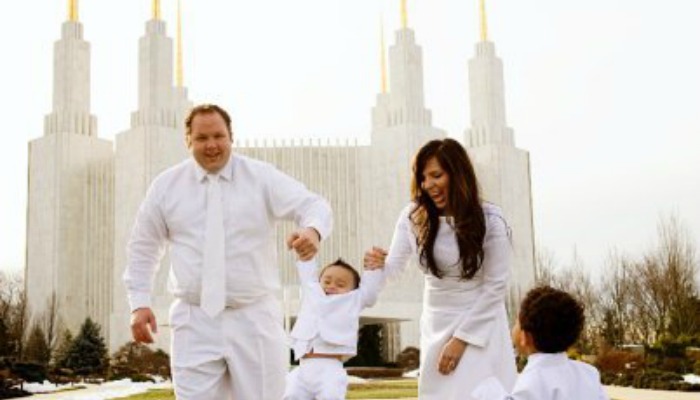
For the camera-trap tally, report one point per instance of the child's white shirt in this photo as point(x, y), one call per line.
point(329, 323)
point(547, 377)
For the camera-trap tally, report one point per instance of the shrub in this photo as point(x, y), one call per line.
point(30, 372)
point(141, 378)
point(655, 379)
point(408, 359)
point(619, 361)
point(375, 372)
point(138, 359)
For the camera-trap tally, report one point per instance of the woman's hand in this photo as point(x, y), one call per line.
point(374, 258)
point(451, 354)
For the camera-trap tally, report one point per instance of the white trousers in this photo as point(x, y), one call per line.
point(317, 379)
point(239, 355)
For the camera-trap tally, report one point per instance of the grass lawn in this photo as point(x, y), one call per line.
point(397, 389)
point(390, 389)
point(160, 394)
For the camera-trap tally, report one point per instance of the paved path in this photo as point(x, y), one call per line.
point(624, 393)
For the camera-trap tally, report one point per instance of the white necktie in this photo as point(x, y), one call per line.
point(213, 296)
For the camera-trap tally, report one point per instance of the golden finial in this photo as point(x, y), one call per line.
point(178, 66)
point(383, 57)
point(156, 9)
point(73, 10)
point(404, 15)
point(482, 13)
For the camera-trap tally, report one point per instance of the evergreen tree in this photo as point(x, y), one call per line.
point(88, 354)
point(37, 348)
point(60, 354)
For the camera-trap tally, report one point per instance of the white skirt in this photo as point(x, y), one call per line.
point(438, 324)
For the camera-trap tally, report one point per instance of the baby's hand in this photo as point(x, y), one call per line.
point(374, 258)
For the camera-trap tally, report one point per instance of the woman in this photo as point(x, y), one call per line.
point(463, 248)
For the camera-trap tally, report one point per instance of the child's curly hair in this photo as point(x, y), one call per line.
point(553, 317)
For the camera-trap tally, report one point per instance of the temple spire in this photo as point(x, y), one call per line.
point(73, 10)
point(404, 15)
point(178, 66)
point(383, 58)
point(483, 26)
point(156, 9)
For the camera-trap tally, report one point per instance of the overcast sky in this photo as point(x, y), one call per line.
point(604, 94)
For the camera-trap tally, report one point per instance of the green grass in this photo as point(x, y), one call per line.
point(397, 389)
point(159, 394)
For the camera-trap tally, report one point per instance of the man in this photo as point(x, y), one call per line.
point(217, 212)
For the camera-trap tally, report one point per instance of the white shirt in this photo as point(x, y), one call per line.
point(548, 377)
point(328, 324)
point(483, 296)
point(255, 195)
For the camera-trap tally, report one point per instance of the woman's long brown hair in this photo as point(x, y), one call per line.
point(463, 204)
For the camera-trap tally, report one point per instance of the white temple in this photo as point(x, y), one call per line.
point(84, 191)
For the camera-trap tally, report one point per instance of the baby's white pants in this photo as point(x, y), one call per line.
point(317, 379)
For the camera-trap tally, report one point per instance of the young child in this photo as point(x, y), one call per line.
point(325, 332)
point(550, 321)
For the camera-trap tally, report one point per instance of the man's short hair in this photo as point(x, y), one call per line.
point(207, 108)
point(341, 263)
point(553, 317)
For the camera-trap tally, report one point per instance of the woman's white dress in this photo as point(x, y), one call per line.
point(472, 310)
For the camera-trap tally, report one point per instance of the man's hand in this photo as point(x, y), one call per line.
point(141, 320)
point(450, 355)
point(374, 258)
point(305, 242)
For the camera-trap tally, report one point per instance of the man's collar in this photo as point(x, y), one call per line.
point(226, 172)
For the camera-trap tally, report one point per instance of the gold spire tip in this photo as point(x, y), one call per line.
point(156, 9)
point(73, 10)
point(483, 26)
point(404, 15)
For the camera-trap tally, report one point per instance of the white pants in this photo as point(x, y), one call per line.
point(239, 355)
point(317, 378)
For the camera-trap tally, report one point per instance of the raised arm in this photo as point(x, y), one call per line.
point(307, 272)
point(402, 248)
point(371, 284)
point(288, 198)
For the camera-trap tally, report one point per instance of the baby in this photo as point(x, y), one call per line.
point(325, 333)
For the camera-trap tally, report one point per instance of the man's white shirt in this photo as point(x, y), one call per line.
point(254, 193)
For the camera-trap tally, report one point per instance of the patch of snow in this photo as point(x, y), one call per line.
point(107, 390)
point(356, 379)
point(411, 374)
point(46, 387)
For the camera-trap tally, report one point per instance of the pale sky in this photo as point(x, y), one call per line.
point(604, 94)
